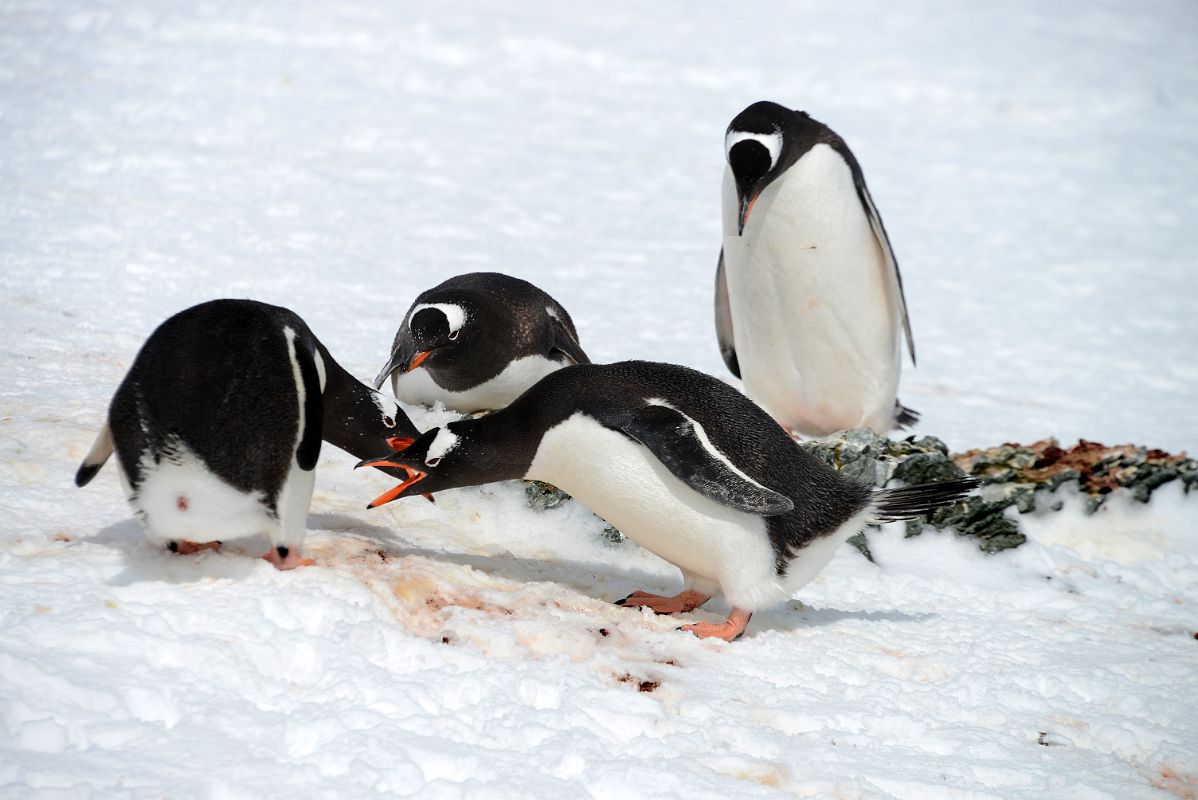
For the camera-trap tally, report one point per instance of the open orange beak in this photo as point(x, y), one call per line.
point(414, 477)
point(418, 359)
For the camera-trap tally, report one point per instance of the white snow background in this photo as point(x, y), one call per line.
point(1035, 164)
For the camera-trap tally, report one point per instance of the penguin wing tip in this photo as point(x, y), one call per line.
point(85, 473)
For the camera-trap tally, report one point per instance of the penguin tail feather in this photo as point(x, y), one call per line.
point(912, 502)
point(904, 417)
point(101, 450)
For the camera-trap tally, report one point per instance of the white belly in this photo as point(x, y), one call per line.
point(814, 310)
point(418, 386)
point(185, 501)
point(625, 484)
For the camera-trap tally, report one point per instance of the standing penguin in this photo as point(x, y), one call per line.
point(683, 465)
point(808, 297)
point(477, 341)
point(218, 425)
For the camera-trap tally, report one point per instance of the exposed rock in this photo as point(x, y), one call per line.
point(543, 496)
point(1098, 469)
point(1021, 476)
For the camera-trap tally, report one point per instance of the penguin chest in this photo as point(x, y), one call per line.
point(621, 481)
point(815, 311)
point(420, 386)
point(180, 498)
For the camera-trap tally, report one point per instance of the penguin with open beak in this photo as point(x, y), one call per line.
point(218, 425)
point(683, 465)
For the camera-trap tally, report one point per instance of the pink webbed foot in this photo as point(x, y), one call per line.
point(283, 558)
point(186, 548)
point(728, 630)
point(680, 603)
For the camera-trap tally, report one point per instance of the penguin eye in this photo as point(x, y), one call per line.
point(454, 336)
point(432, 462)
point(389, 422)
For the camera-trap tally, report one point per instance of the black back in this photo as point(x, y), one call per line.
point(218, 379)
point(506, 319)
point(502, 445)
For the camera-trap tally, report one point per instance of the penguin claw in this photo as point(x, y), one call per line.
point(633, 595)
point(729, 630)
point(680, 603)
point(289, 561)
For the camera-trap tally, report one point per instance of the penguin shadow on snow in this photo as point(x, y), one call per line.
point(147, 561)
point(606, 582)
point(797, 616)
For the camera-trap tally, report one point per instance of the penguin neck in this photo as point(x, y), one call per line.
point(356, 416)
point(502, 444)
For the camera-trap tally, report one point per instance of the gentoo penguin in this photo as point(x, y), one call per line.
point(682, 464)
point(808, 297)
point(218, 425)
point(477, 341)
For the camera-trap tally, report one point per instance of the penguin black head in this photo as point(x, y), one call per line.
point(448, 457)
point(437, 331)
point(759, 146)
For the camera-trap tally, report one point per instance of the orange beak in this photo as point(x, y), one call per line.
point(414, 476)
point(418, 359)
point(400, 443)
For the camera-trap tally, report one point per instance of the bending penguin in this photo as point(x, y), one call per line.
point(477, 341)
point(682, 464)
point(218, 426)
point(808, 296)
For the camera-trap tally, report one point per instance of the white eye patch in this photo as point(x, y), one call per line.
point(387, 408)
point(770, 141)
point(455, 315)
point(442, 443)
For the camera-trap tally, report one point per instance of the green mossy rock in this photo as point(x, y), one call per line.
point(1023, 477)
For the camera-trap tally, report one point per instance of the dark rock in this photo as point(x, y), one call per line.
point(612, 537)
point(1023, 476)
point(543, 496)
point(862, 544)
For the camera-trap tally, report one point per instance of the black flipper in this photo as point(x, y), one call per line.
point(723, 319)
point(561, 340)
point(682, 446)
point(875, 222)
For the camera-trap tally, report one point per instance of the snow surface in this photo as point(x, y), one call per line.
point(1035, 167)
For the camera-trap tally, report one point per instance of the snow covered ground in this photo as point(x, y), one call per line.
point(1035, 167)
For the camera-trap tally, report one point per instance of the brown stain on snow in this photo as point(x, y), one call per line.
point(1175, 782)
